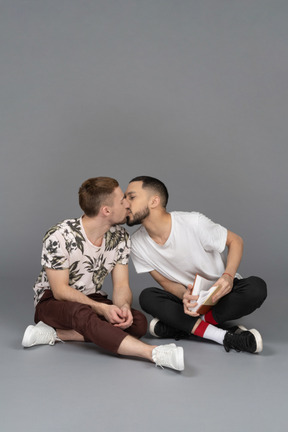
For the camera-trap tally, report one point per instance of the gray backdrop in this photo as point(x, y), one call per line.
point(193, 92)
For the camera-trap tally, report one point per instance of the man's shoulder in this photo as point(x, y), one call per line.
point(66, 225)
point(186, 216)
point(116, 235)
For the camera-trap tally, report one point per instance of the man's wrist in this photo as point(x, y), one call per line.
point(228, 274)
point(126, 305)
point(99, 308)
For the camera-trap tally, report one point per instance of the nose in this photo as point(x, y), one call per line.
point(127, 205)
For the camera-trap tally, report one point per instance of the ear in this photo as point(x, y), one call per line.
point(106, 211)
point(155, 201)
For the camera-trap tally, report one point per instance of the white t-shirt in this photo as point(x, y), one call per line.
point(66, 246)
point(195, 245)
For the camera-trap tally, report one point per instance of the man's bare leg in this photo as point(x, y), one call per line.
point(163, 355)
point(131, 346)
point(69, 335)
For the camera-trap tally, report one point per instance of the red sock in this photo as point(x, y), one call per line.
point(209, 318)
point(200, 330)
point(208, 331)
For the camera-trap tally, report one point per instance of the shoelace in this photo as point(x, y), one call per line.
point(239, 342)
point(51, 342)
point(161, 359)
point(59, 340)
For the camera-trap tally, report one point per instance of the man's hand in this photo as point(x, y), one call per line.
point(119, 317)
point(190, 301)
point(226, 283)
point(127, 316)
point(113, 314)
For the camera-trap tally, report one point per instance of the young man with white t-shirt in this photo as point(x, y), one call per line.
point(176, 246)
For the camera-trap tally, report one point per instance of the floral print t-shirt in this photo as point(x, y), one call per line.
point(66, 246)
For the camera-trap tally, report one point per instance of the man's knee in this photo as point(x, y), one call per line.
point(145, 298)
point(81, 316)
point(258, 289)
point(139, 324)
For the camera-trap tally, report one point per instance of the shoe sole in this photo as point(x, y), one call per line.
point(152, 326)
point(26, 338)
point(259, 341)
point(180, 358)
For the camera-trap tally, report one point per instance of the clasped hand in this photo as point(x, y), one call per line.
point(119, 317)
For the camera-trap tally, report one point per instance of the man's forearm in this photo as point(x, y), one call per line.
point(62, 291)
point(122, 297)
point(234, 256)
point(69, 293)
point(174, 288)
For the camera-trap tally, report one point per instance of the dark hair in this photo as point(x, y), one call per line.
point(94, 192)
point(156, 185)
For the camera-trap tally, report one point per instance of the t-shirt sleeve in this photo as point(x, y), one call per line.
point(54, 253)
point(139, 259)
point(212, 235)
point(124, 249)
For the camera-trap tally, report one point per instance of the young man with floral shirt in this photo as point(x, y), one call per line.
point(77, 255)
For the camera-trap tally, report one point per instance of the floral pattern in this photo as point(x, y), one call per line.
point(65, 246)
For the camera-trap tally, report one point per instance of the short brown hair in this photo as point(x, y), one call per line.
point(94, 192)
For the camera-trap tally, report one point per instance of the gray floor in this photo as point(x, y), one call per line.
point(74, 386)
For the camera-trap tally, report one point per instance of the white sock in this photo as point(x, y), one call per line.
point(215, 334)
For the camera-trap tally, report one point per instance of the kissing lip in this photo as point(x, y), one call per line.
point(129, 216)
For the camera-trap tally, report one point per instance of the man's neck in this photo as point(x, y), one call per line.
point(158, 225)
point(95, 229)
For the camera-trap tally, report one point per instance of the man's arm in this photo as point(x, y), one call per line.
point(59, 284)
point(178, 290)
point(234, 244)
point(173, 287)
point(122, 295)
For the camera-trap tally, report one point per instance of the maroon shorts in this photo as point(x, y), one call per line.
point(67, 315)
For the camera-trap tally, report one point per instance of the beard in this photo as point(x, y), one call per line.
point(138, 217)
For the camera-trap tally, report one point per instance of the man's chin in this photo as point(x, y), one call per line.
point(122, 222)
point(130, 222)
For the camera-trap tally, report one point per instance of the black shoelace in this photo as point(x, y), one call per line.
point(244, 341)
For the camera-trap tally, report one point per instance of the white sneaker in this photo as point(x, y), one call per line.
point(40, 334)
point(169, 355)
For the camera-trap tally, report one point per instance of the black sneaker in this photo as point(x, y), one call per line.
point(236, 329)
point(243, 340)
point(160, 330)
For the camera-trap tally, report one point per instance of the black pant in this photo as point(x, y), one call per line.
point(246, 296)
